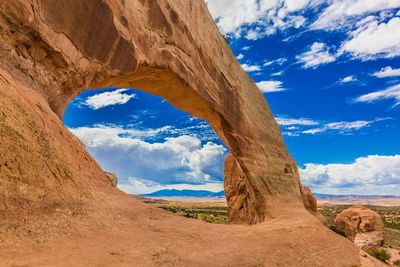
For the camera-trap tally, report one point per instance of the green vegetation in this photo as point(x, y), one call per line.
point(392, 238)
point(381, 254)
point(208, 214)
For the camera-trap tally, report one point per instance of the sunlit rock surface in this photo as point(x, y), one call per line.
point(362, 226)
point(58, 208)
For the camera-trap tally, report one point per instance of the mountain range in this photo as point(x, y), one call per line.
point(220, 194)
point(185, 193)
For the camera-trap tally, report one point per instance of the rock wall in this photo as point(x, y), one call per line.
point(53, 50)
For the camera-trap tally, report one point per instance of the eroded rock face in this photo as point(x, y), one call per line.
point(362, 226)
point(168, 48)
point(112, 177)
point(309, 200)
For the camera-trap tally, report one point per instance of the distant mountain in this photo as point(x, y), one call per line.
point(323, 196)
point(206, 194)
point(185, 193)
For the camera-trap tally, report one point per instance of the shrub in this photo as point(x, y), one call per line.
point(380, 253)
point(396, 263)
point(338, 231)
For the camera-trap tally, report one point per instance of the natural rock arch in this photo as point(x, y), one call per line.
point(168, 48)
point(57, 206)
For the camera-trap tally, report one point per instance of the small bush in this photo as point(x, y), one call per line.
point(381, 254)
point(339, 232)
point(396, 263)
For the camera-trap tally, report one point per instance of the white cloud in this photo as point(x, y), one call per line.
point(295, 5)
point(374, 40)
point(286, 121)
point(392, 92)
point(342, 12)
point(178, 160)
point(365, 172)
point(279, 61)
point(342, 127)
point(299, 126)
point(226, 14)
point(260, 18)
point(116, 97)
point(348, 79)
point(270, 86)
point(313, 131)
point(240, 56)
point(250, 68)
point(345, 125)
point(246, 48)
point(279, 73)
point(387, 72)
point(318, 54)
point(253, 35)
point(265, 17)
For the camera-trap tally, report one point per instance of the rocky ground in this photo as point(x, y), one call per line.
point(215, 211)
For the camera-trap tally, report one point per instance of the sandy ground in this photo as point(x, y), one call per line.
point(395, 254)
point(127, 232)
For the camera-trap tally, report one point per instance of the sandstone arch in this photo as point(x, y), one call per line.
point(171, 49)
point(58, 208)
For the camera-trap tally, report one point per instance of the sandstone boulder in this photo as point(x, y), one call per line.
point(362, 226)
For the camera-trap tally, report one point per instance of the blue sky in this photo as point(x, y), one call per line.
point(330, 71)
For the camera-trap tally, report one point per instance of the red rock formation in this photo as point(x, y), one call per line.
point(56, 204)
point(309, 200)
point(362, 226)
point(176, 52)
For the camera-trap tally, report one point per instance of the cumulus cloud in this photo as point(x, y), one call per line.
point(365, 172)
point(387, 72)
point(176, 160)
point(265, 17)
point(374, 40)
point(260, 18)
point(270, 86)
point(318, 54)
point(250, 68)
point(342, 12)
point(116, 97)
point(392, 92)
point(240, 57)
point(348, 79)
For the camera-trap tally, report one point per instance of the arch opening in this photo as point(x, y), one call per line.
point(146, 142)
point(252, 191)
